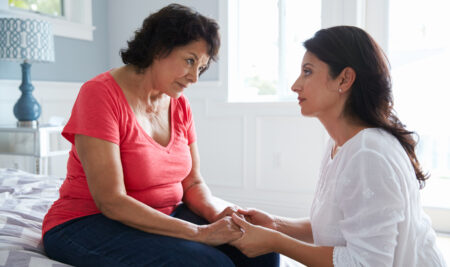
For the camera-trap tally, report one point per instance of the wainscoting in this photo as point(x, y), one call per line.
point(56, 100)
point(263, 155)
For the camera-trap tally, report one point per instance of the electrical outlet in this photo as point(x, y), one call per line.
point(277, 160)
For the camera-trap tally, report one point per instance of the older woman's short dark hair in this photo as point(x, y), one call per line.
point(172, 26)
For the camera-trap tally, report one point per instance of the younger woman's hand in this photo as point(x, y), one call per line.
point(259, 217)
point(256, 240)
point(220, 232)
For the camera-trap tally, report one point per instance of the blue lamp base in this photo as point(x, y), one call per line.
point(27, 110)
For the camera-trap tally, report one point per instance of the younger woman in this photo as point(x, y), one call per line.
point(366, 210)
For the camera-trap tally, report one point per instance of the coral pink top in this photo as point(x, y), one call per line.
point(152, 173)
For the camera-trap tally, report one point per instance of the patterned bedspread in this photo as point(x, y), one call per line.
point(24, 200)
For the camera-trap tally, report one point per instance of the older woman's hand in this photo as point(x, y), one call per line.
point(256, 240)
point(228, 211)
point(220, 232)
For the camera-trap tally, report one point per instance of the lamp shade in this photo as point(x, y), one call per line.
point(28, 40)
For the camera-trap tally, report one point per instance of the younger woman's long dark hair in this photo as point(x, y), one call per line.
point(370, 98)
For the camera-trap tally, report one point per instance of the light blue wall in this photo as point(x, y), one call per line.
point(78, 60)
point(75, 60)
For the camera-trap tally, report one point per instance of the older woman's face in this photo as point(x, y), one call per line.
point(317, 91)
point(172, 74)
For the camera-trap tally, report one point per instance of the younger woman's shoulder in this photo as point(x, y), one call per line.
point(378, 143)
point(377, 139)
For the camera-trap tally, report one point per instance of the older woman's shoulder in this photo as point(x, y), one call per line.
point(182, 102)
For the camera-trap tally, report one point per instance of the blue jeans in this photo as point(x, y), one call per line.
point(98, 241)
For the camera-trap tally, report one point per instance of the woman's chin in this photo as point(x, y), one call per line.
point(174, 95)
point(305, 112)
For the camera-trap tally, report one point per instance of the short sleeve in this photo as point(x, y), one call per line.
point(372, 203)
point(188, 119)
point(192, 136)
point(95, 113)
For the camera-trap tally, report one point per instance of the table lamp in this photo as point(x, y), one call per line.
point(27, 41)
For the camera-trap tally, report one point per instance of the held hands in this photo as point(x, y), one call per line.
point(256, 240)
point(259, 217)
point(220, 232)
point(252, 231)
point(228, 211)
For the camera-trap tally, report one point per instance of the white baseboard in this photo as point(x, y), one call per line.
point(440, 218)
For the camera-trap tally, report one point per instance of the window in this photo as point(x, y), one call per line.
point(419, 51)
point(47, 7)
point(268, 46)
point(69, 18)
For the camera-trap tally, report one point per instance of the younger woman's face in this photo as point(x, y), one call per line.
point(317, 92)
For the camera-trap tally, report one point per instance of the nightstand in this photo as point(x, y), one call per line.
point(39, 142)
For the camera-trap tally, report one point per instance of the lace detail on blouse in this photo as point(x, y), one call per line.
point(341, 257)
point(367, 206)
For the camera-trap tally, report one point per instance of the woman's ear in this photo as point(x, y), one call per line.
point(347, 78)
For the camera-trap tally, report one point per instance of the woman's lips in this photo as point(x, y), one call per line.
point(182, 85)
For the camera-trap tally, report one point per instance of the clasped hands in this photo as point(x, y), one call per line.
point(251, 231)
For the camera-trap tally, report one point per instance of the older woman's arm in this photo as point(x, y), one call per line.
point(102, 165)
point(198, 197)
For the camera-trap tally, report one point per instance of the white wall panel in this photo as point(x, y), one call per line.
point(288, 153)
point(221, 145)
point(246, 136)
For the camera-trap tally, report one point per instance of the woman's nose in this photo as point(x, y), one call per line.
point(296, 86)
point(193, 75)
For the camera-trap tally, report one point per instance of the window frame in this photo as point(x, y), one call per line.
point(439, 215)
point(76, 22)
point(233, 76)
point(334, 12)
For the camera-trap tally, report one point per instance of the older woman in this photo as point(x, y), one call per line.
point(366, 210)
point(134, 159)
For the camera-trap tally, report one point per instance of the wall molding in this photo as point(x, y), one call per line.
point(219, 121)
point(44, 91)
point(38, 85)
point(299, 207)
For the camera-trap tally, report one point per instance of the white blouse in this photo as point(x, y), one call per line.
point(367, 206)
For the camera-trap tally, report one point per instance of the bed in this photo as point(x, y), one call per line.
point(24, 200)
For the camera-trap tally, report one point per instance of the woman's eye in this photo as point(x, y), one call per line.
point(190, 61)
point(306, 72)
